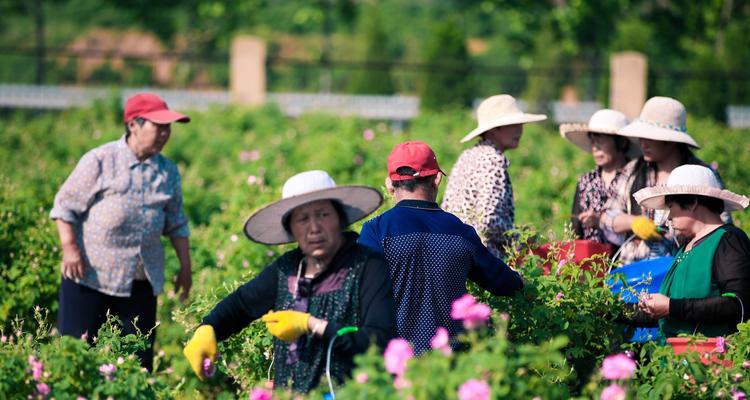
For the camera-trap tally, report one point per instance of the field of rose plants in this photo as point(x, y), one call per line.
point(558, 338)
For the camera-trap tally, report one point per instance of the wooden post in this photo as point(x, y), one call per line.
point(628, 77)
point(247, 74)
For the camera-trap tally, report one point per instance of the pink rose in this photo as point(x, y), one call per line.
point(368, 134)
point(461, 307)
point(397, 353)
point(209, 368)
point(559, 296)
point(474, 389)
point(618, 366)
point(37, 370)
point(401, 383)
point(362, 378)
point(472, 313)
point(441, 341)
point(42, 388)
point(613, 392)
point(720, 345)
point(108, 371)
point(260, 394)
point(737, 395)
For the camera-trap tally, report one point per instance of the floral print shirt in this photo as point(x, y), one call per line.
point(480, 193)
point(120, 207)
point(592, 194)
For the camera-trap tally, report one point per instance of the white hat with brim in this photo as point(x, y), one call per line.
point(662, 119)
point(694, 180)
point(500, 110)
point(607, 122)
point(266, 225)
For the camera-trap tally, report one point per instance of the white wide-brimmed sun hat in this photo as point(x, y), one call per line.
point(694, 180)
point(500, 110)
point(604, 121)
point(266, 225)
point(663, 119)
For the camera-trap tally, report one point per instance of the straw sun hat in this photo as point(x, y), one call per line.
point(266, 226)
point(663, 119)
point(607, 122)
point(694, 180)
point(500, 110)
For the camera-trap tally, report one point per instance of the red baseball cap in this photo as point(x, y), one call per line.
point(153, 108)
point(415, 155)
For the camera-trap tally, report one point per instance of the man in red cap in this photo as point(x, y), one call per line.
point(430, 252)
point(110, 213)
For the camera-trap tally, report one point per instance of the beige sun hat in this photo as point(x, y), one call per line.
point(500, 110)
point(266, 225)
point(663, 119)
point(604, 121)
point(690, 179)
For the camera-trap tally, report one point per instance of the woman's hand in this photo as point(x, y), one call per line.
point(73, 266)
point(655, 306)
point(589, 219)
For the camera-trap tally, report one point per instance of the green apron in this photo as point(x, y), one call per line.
point(689, 277)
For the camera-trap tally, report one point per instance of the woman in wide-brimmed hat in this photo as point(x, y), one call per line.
point(479, 189)
point(308, 294)
point(708, 285)
point(666, 145)
point(610, 152)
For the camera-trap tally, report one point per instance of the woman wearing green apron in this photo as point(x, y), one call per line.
point(707, 288)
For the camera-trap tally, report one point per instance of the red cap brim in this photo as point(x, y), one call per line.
point(423, 174)
point(165, 117)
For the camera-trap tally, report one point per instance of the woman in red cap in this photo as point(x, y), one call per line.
point(111, 213)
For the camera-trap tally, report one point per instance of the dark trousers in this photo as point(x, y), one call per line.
point(84, 310)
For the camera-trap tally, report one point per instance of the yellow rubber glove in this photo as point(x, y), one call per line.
point(287, 325)
point(644, 228)
point(201, 346)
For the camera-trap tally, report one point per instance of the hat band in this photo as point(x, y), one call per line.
point(665, 126)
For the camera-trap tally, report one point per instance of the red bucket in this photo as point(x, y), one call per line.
point(707, 349)
point(577, 251)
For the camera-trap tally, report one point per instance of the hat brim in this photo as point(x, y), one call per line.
point(653, 197)
point(578, 134)
point(643, 130)
point(520, 118)
point(165, 117)
point(265, 225)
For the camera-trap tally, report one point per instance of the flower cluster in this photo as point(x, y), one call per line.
point(617, 367)
point(108, 371)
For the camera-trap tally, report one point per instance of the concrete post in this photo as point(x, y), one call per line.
point(247, 73)
point(628, 76)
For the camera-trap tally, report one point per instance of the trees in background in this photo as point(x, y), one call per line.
point(534, 46)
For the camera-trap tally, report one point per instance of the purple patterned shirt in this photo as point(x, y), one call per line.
point(120, 207)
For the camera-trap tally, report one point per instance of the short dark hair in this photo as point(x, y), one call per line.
point(713, 204)
point(410, 185)
point(343, 219)
point(138, 120)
